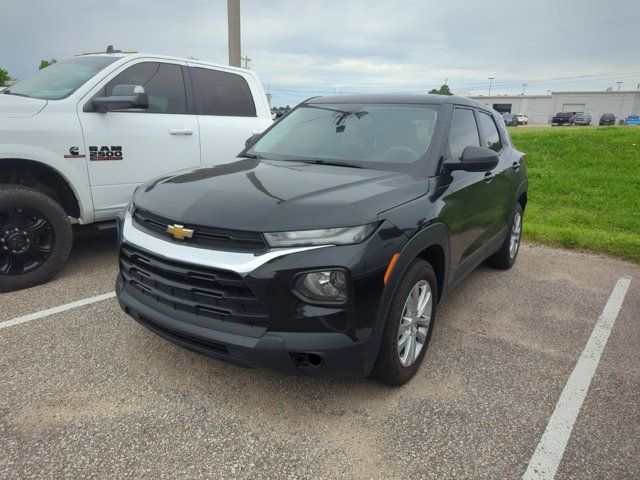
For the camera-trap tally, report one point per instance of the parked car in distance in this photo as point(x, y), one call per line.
point(326, 247)
point(607, 119)
point(78, 136)
point(562, 118)
point(632, 120)
point(510, 119)
point(583, 119)
point(522, 119)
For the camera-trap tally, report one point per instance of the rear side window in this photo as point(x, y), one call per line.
point(222, 93)
point(163, 83)
point(490, 132)
point(464, 132)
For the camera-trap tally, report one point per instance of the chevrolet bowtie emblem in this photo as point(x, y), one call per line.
point(179, 232)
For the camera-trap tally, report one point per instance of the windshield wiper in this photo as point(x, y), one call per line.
point(8, 92)
point(336, 163)
point(250, 155)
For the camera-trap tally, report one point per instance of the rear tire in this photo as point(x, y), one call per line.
point(407, 331)
point(35, 237)
point(506, 256)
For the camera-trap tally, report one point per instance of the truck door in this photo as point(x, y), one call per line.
point(126, 148)
point(227, 112)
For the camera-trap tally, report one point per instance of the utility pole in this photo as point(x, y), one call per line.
point(246, 61)
point(233, 19)
point(490, 81)
point(524, 86)
point(619, 84)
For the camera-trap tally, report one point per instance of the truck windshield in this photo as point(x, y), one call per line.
point(60, 79)
point(379, 136)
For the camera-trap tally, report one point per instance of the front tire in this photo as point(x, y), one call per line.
point(409, 325)
point(35, 237)
point(506, 256)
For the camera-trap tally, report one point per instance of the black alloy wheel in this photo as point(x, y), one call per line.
point(35, 237)
point(27, 240)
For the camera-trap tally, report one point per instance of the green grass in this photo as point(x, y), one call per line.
point(584, 188)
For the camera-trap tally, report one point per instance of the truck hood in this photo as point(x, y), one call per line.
point(14, 106)
point(267, 195)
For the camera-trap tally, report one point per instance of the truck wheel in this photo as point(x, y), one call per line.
point(35, 237)
point(409, 325)
point(506, 256)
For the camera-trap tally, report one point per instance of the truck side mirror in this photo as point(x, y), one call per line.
point(123, 97)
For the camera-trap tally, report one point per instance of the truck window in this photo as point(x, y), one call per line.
point(222, 93)
point(163, 83)
point(490, 132)
point(464, 132)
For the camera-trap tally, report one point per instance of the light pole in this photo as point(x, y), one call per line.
point(619, 84)
point(490, 81)
point(233, 20)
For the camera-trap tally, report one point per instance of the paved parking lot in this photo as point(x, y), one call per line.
point(88, 393)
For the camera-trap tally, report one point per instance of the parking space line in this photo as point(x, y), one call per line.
point(51, 311)
point(548, 454)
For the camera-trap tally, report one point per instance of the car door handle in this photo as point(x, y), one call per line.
point(488, 176)
point(515, 166)
point(180, 131)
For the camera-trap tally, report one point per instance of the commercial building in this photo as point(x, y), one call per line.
point(540, 108)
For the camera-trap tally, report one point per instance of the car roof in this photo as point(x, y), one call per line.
point(415, 98)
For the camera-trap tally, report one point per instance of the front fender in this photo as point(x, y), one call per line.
point(74, 171)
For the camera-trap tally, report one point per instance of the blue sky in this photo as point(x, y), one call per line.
point(314, 47)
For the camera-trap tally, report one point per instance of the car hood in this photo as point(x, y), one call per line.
point(259, 195)
point(14, 106)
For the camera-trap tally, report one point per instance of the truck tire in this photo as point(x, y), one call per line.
point(35, 237)
point(409, 325)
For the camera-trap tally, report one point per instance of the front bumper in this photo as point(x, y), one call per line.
point(288, 335)
point(316, 354)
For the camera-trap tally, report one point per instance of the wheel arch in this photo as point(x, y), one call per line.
point(42, 177)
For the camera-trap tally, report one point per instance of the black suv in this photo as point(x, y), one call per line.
point(326, 247)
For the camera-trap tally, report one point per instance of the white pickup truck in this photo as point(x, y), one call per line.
point(77, 137)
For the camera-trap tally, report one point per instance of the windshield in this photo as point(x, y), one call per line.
point(378, 136)
point(60, 79)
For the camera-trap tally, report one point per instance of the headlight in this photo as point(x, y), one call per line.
point(325, 236)
point(324, 286)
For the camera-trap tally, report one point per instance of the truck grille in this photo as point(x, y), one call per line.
point(215, 294)
point(216, 238)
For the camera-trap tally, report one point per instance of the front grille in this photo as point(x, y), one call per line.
point(209, 293)
point(210, 237)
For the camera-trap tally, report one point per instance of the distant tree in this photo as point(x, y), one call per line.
point(46, 63)
point(287, 108)
point(4, 76)
point(444, 90)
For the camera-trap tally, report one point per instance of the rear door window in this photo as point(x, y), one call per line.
point(162, 82)
point(221, 93)
point(489, 132)
point(464, 132)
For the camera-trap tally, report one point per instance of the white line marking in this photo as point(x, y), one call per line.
point(548, 454)
point(51, 311)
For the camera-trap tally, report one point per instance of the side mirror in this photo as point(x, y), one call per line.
point(250, 142)
point(474, 159)
point(123, 97)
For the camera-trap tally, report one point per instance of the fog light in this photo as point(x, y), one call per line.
point(324, 286)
